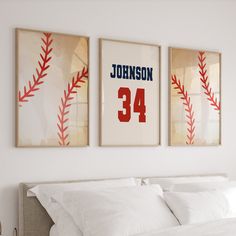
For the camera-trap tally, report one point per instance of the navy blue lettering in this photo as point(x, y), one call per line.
point(138, 73)
point(149, 73)
point(125, 72)
point(119, 71)
point(143, 73)
point(131, 72)
point(113, 75)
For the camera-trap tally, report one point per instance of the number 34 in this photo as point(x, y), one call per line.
point(139, 104)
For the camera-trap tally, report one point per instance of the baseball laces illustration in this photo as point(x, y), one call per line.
point(72, 89)
point(41, 70)
point(188, 108)
point(205, 82)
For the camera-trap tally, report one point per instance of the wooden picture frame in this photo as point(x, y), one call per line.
point(194, 97)
point(129, 100)
point(52, 89)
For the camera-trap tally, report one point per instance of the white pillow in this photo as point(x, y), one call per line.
point(62, 219)
point(65, 224)
point(199, 207)
point(203, 186)
point(65, 228)
point(117, 211)
point(167, 182)
point(53, 231)
point(52, 188)
point(230, 195)
point(44, 192)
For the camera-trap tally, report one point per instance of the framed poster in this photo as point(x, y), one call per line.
point(195, 97)
point(130, 96)
point(52, 89)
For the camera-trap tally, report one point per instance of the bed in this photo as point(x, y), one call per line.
point(35, 221)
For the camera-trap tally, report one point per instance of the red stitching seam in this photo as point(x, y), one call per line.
point(65, 104)
point(205, 82)
point(40, 71)
point(188, 109)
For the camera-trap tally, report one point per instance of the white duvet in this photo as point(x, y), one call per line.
point(224, 227)
point(130, 211)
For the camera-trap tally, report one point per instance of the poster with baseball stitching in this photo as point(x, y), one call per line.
point(52, 89)
point(195, 97)
point(130, 96)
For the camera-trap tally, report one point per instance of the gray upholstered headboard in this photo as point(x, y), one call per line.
point(33, 218)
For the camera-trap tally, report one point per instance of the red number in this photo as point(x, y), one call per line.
point(124, 116)
point(139, 104)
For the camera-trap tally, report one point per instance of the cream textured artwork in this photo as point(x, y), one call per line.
point(195, 101)
point(130, 93)
point(52, 89)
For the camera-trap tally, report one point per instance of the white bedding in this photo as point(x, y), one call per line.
point(121, 211)
point(224, 227)
point(133, 210)
point(199, 207)
point(64, 224)
point(53, 231)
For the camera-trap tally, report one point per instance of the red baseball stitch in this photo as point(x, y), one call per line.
point(43, 65)
point(205, 82)
point(188, 109)
point(65, 104)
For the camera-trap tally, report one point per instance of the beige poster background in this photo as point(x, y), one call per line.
point(38, 117)
point(186, 65)
point(114, 132)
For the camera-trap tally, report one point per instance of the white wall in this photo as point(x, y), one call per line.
point(192, 24)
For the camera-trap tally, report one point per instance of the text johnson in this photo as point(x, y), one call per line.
point(131, 72)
